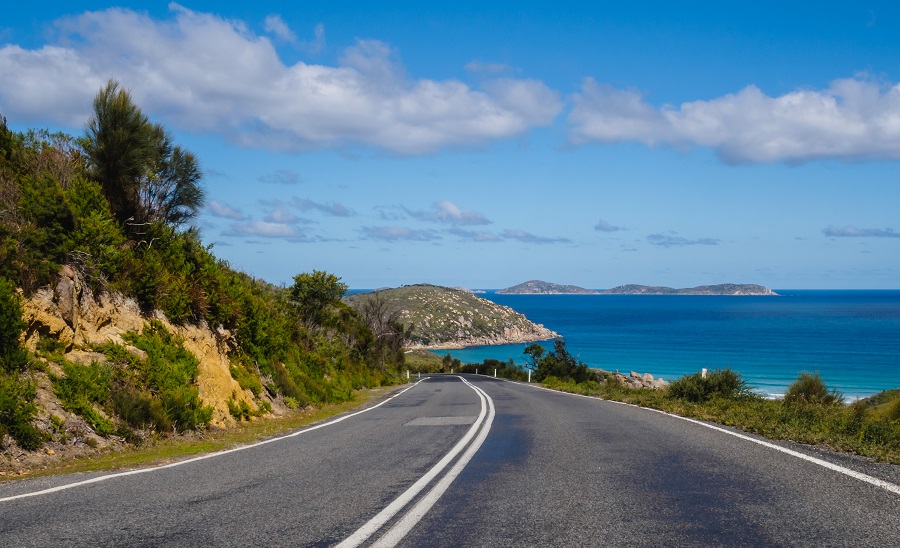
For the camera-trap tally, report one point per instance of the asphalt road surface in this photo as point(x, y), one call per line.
point(474, 461)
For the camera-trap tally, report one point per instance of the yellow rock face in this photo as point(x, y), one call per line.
point(71, 314)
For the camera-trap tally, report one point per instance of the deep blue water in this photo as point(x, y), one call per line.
point(852, 338)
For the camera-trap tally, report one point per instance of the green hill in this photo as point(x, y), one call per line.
point(442, 317)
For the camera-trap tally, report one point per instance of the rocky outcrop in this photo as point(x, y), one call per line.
point(70, 313)
point(636, 380)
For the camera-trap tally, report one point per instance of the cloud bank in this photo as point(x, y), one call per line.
point(853, 232)
point(853, 119)
point(203, 72)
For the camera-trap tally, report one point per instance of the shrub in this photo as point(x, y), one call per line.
point(170, 372)
point(13, 357)
point(246, 379)
point(16, 411)
point(810, 388)
point(81, 388)
point(719, 383)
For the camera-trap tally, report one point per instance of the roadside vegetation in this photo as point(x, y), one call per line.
point(809, 413)
point(116, 205)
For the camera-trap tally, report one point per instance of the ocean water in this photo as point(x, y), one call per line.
point(851, 338)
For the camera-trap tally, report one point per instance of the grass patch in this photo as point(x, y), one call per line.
point(810, 418)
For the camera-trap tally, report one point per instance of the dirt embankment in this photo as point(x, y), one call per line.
point(78, 319)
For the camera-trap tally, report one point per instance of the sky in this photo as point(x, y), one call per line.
point(483, 144)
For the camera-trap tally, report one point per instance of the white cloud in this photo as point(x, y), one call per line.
point(398, 233)
point(318, 43)
point(201, 72)
point(528, 238)
point(219, 209)
point(853, 119)
point(853, 232)
point(266, 230)
point(281, 216)
point(333, 209)
point(474, 235)
point(446, 211)
point(274, 24)
point(281, 177)
point(665, 240)
point(603, 226)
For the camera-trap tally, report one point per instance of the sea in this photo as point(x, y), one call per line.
point(851, 338)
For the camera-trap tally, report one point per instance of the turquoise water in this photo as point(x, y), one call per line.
point(852, 338)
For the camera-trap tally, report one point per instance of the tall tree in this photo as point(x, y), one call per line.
point(145, 177)
point(121, 147)
point(172, 193)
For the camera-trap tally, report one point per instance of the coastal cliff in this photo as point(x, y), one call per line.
point(443, 317)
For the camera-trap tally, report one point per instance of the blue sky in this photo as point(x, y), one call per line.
point(484, 144)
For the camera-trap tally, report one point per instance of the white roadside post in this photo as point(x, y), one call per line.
point(407, 374)
point(495, 373)
point(529, 375)
point(703, 372)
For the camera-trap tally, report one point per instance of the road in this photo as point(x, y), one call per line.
point(474, 461)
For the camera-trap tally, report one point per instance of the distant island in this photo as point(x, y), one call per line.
point(444, 317)
point(537, 287)
point(719, 289)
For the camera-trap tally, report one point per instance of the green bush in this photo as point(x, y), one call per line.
point(17, 408)
point(719, 383)
point(13, 357)
point(83, 387)
point(245, 378)
point(810, 388)
point(170, 372)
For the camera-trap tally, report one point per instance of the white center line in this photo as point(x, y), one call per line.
point(486, 417)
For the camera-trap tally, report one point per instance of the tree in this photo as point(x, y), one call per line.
point(314, 293)
point(120, 144)
point(557, 363)
point(389, 333)
point(172, 193)
point(535, 352)
point(145, 177)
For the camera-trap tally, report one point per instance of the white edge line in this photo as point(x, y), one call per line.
point(204, 457)
point(377, 522)
point(400, 529)
point(883, 484)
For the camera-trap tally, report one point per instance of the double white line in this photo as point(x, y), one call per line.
point(405, 523)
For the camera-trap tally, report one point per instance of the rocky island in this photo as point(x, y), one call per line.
point(444, 317)
point(720, 289)
point(538, 287)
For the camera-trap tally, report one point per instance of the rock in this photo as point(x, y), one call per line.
point(84, 357)
point(647, 378)
point(66, 295)
point(136, 352)
point(634, 375)
point(658, 384)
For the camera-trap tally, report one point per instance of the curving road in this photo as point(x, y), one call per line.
point(474, 461)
